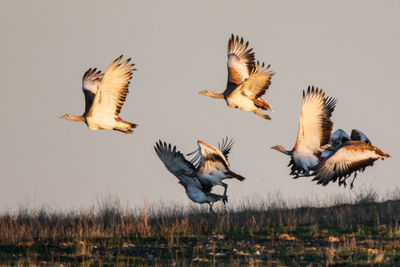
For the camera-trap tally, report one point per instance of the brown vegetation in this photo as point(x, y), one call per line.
point(364, 231)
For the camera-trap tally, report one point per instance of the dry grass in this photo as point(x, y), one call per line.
point(362, 230)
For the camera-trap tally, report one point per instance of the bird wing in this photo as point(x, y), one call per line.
point(225, 146)
point(240, 62)
point(175, 162)
point(113, 88)
point(350, 157)
point(315, 125)
point(357, 135)
point(90, 82)
point(257, 83)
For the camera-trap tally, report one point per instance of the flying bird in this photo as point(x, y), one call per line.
point(186, 173)
point(105, 94)
point(213, 166)
point(315, 126)
point(347, 157)
point(247, 80)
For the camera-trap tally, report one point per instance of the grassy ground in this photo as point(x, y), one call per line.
point(361, 232)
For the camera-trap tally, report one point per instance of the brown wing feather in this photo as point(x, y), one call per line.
point(90, 82)
point(327, 123)
point(350, 157)
point(113, 88)
point(240, 60)
point(315, 125)
point(257, 84)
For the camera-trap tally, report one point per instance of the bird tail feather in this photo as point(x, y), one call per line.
point(235, 175)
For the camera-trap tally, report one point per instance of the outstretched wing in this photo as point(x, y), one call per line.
point(357, 135)
point(350, 157)
point(113, 88)
point(90, 82)
point(315, 125)
point(257, 83)
point(225, 146)
point(175, 162)
point(240, 62)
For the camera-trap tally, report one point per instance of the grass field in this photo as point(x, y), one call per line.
point(360, 231)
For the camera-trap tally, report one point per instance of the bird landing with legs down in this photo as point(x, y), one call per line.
point(186, 173)
point(247, 80)
point(105, 93)
point(212, 164)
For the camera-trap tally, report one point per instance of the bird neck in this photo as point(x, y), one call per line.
point(76, 118)
point(215, 95)
point(283, 150)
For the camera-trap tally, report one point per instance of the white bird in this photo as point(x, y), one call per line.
point(213, 166)
point(186, 172)
point(314, 132)
point(104, 96)
point(346, 157)
point(247, 80)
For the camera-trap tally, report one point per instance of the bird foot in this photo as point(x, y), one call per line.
point(126, 131)
point(265, 116)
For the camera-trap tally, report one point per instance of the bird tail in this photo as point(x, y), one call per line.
point(127, 124)
point(124, 126)
point(235, 175)
point(262, 104)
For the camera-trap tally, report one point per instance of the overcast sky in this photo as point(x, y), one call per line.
point(348, 48)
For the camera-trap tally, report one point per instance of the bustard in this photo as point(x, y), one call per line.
point(315, 126)
point(104, 96)
point(247, 80)
point(213, 166)
point(186, 173)
point(346, 156)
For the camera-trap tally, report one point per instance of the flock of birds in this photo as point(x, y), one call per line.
point(318, 152)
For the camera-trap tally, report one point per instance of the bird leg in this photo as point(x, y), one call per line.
point(265, 116)
point(225, 200)
point(224, 196)
point(127, 131)
point(211, 209)
point(352, 182)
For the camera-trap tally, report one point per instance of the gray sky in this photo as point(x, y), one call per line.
point(348, 48)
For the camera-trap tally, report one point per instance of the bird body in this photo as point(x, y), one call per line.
point(104, 97)
point(213, 166)
point(305, 158)
point(196, 194)
point(247, 80)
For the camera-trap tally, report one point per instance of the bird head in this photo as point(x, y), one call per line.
point(205, 92)
point(66, 117)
